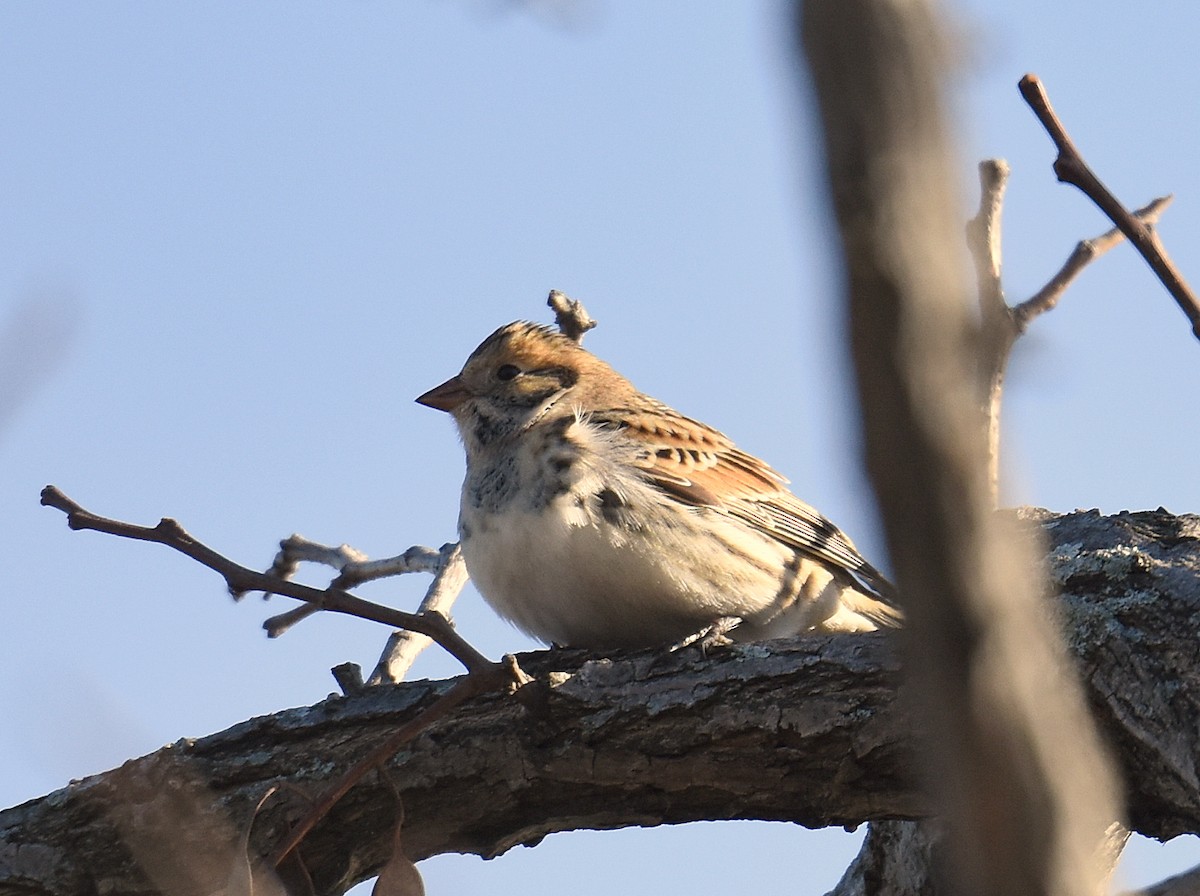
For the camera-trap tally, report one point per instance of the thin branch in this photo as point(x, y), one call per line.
point(483, 675)
point(1085, 252)
point(1070, 168)
point(404, 646)
point(241, 579)
point(354, 568)
point(997, 330)
point(294, 550)
point(984, 234)
point(1002, 325)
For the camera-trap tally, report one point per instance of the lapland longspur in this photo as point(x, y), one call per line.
point(595, 516)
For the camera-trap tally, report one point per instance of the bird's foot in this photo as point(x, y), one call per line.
point(714, 635)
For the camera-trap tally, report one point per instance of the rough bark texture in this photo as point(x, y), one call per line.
point(811, 730)
point(897, 859)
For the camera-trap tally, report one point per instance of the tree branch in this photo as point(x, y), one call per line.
point(1009, 749)
point(1069, 167)
point(813, 730)
point(1001, 325)
point(1084, 253)
point(997, 333)
point(240, 579)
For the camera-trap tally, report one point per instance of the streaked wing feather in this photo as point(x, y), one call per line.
point(800, 525)
point(702, 467)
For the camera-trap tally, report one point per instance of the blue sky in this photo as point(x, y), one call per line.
point(239, 238)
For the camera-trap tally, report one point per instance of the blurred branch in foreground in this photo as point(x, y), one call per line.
point(1012, 758)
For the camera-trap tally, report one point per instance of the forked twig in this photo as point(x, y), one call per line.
point(354, 567)
point(1001, 324)
point(403, 646)
point(1084, 253)
point(241, 579)
point(1070, 168)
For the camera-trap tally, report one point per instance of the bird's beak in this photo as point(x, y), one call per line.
point(447, 396)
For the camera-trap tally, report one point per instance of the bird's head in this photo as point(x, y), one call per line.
point(522, 375)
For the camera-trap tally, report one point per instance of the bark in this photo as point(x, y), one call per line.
point(811, 730)
point(898, 858)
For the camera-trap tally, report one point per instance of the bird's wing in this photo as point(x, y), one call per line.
point(699, 466)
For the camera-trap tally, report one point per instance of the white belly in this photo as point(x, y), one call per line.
point(570, 567)
point(569, 584)
point(569, 578)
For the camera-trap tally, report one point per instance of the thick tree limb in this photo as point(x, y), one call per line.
point(812, 730)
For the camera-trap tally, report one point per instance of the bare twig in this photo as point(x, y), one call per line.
point(997, 332)
point(570, 315)
point(404, 646)
point(1002, 325)
point(1085, 252)
point(241, 579)
point(353, 566)
point(984, 234)
point(483, 674)
point(1070, 168)
point(294, 550)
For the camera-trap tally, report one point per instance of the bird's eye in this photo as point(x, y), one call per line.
point(506, 372)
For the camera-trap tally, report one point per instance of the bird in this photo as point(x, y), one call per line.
point(595, 516)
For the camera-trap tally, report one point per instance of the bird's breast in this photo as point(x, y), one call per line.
point(566, 576)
